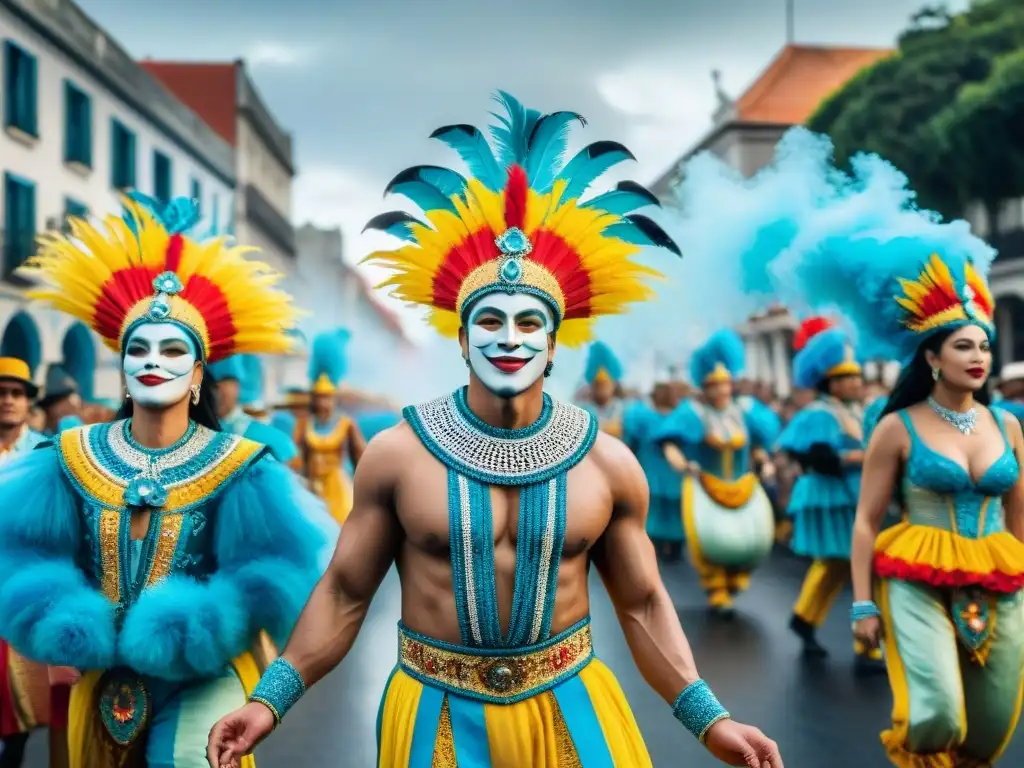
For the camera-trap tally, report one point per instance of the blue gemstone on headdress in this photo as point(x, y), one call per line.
point(167, 282)
point(514, 242)
point(159, 309)
point(511, 271)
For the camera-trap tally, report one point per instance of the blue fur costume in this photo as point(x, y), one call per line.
point(641, 424)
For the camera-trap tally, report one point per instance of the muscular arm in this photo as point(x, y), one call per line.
point(366, 549)
point(882, 463)
point(356, 444)
point(625, 558)
point(1013, 501)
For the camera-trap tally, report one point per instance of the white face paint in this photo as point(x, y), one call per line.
point(508, 341)
point(158, 363)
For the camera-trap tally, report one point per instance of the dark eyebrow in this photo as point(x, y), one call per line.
point(536, 313)
point(488, 310)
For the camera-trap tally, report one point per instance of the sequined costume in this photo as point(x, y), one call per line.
point(153, 571)
point(604, 368)
point(947, 579)
point(533, 697)
point(728, 517)
point(641, 424)
point(324, 442)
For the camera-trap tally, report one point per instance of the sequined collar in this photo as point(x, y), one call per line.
point(557, 441)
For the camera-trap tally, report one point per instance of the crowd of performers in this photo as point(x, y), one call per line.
point(176, 573)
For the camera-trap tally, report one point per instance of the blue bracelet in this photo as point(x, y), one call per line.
point(279, 688)
point(864, 609)
point(698, 709)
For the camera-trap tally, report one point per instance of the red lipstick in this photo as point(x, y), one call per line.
point(149, 380)
point(976, 373)
point(507, 364)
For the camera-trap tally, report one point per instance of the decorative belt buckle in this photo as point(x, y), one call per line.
point(124, 704)
point(972, 616)
point(502, 675)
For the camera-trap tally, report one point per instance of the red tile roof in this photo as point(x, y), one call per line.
point(799, 79)
point(207, 89)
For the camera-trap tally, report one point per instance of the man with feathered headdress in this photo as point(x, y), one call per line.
point(603, 375)
point(495, 499)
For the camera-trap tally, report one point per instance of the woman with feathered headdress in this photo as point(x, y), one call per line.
point(150, 552)
point(941, 589)
point(328, 437)
point(603, 375)
point(728, 517)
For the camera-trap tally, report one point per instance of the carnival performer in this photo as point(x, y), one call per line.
point(1011, 390)
point(329, 437)
point(727, 516)
point(149, 552)
point(60, 401)
point(25, 691)
point(603, 375)
point(640, 426)
point(496, 666)
point(228, 375)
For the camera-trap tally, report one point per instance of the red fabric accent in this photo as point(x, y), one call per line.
point(888, 567)
point(560, 259)
point(515, 197)
point(808, 329)
point(175, 246)
point(60, 702)
point(8, 719)
point(119, 294)
point(477, 249)
point(208, 299)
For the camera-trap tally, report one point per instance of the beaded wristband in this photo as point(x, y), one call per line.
point(864, 609)
point(279, 688)
point(698, 709)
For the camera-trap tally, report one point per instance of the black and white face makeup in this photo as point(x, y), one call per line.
point(158, 362)
point(507, 336)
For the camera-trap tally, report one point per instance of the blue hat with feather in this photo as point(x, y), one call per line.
point(328, 361)
point(826, 354)
point(721, 358)
point(228, 368)
point(602, 364)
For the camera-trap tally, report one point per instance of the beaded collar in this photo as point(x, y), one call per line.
point(557, 441)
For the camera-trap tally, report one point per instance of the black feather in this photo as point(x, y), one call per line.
point(469, 130)
point(638, 189)
point(599, 148)
point(657, 235)
point(384, 221)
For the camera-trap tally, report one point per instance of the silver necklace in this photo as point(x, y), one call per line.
point(964, 422)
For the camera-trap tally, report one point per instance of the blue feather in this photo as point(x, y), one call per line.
point(444, 180)
point(474, 150)
point(178, 216)
point(512, 134)
point(547, 145)
point(588, 164)
point(627, 197)
point(327, 355)
point(395, 223)
point(640, 230)
point(283, 421)
point(600, 357)
point(425, 195)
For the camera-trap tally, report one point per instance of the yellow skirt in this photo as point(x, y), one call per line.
point(584, 722)
point(336, 491)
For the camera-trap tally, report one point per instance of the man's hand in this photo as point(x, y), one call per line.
point(63, 675)
point(237, 735)
point(742, 745)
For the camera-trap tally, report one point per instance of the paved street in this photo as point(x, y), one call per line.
point(820, 715)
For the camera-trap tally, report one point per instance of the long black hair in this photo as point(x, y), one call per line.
point(204, 412)
point(915, 382)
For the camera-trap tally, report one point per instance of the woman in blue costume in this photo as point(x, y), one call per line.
point(727, 516)
point(640, 426)
point(149, 553)
point(1010, 394)
point(603, 375)
point(229, 376)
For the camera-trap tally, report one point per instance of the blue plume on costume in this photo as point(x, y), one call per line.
point(228, 368)
point(284, 421)
point(588, 164)
point(511, 136)
point(628, 196)
point(724, 346)
point(600, 357)
point(251, 390)
point(824, 351)
point(475, 152)
point(178, 215)
point(327, 355)
point(547, 144)
point(395, 223)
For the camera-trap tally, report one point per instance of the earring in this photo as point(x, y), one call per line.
point(548, 369)
point(127, 395)
point(195, 394)
point(466, 361)
point(936, 374)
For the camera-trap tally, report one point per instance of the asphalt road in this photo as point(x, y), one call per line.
point(821, 716)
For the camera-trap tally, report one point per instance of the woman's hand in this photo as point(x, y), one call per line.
point(868, 631)
point(675, 458)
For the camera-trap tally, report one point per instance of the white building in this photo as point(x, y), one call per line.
point(82, 121)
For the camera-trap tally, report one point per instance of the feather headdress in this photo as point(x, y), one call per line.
point(721, 358)
point(602, 364)
point(328, 362)
point(517, 224)
point(144, 267)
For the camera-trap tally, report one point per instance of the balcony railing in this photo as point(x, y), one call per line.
point(276, 227)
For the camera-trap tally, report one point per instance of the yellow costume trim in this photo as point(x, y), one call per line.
point(108, 491)
point(110, 546)
point(731, 494)
point(534, 276)
point(323, 458)
point(603, 376)
point(922, 545)
point(324, 386)
point(718, 375)
point(505, 679)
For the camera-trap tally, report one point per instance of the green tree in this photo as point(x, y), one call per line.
point(930, 100)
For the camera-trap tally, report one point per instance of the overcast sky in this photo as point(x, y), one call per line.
point(361, 84)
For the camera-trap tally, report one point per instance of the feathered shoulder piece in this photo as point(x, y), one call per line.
point(602, 364)
point(810, 328)
point(328, 361)
point(144, 266)
point(517, 224)
point(721, 358)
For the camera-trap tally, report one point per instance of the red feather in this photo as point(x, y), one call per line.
point(172, 259)
point(515, 197)
point(810, 328)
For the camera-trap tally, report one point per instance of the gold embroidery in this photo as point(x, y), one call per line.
point(534, 276)
point(444, 744)
point(110, 553)
point(500, 679)
point(565, 749)
point(166, 545)
point(109, 493)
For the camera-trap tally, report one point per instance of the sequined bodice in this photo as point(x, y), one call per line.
point(940, 493)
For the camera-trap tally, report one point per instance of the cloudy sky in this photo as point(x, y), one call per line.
point(362, 84)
